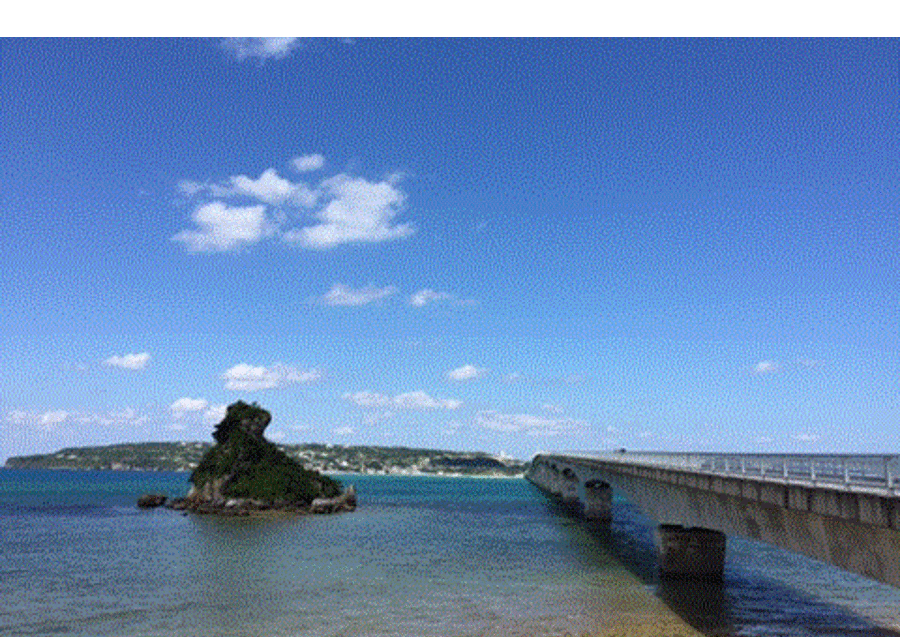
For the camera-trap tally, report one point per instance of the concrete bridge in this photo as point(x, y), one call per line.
point(840, 509)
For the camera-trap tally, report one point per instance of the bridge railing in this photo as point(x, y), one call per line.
point(876, 473)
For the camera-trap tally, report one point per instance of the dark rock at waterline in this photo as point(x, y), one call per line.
point(178, 504)
point(151, 501)
point(344, 502)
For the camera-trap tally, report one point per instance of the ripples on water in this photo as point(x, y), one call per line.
point(422, 556)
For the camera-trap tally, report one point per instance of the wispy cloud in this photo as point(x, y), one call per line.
point(766, 367)
point(45, 421)
point(196, 409)
point(425, 296)
point(260, 49)
point(132, 362)
point(186, 405)
point(54, 420)
point(466, 372)
point(342, 295)
point(415, 400)
point(244, 377)
point(527, 424)
point(308, 163)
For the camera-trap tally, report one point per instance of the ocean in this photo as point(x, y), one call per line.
point(421, 556)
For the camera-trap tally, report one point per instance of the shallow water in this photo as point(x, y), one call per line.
point(421, 556)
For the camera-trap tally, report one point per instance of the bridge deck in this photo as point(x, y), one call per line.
point(869, 474)
point(842, 509)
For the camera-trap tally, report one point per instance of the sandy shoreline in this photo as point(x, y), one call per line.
point(638, 613)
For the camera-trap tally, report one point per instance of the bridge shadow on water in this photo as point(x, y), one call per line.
point(765, 591)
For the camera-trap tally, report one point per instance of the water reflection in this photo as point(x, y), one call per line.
point(764, 591)
point(702, 603)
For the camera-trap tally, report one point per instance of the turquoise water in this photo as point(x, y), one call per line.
point(421, 556)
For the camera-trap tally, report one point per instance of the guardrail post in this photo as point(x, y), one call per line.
point(846, 468)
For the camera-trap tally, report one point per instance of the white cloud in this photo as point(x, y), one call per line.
point(421, 400)
point(272, 189)
point(221, 228)
point(425, 296)
point(207, 413)
point(269, 188)
point(184, 405)
point(527, 424)
point(259, 48)
point(345, 208)
point(766, 367)
point(189, 188)
point(214, 414)
point(342, 295)
point(48, 421)
point(466, 372)
point(308, 163)
point(343, 431)
point(358, 211)
point(243, 377)
point(368, 399)
point(127, 417)
point(805, 437)
point(128, 361)
point(415, 400)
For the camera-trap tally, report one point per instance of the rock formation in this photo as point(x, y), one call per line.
point(244, 472)
point(344, 502)
point(151, 501)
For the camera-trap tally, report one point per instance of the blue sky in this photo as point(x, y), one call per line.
point(505, 245)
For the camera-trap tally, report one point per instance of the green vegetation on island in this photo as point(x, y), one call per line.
point(244, 466)
point(327, 458)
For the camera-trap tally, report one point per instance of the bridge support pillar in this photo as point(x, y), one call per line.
point(554, 481)
point(690, 552)
point(597, 500)
point(568, 487)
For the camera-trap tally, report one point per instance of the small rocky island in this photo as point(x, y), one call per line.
point(243, 472)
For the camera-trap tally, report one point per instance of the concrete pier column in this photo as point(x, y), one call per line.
point(690, 552)
point(555, 482)
point(597, 500)
point(568, 486)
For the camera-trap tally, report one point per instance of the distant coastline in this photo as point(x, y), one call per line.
point(333, 459)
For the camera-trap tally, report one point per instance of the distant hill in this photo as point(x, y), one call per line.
point(184, 456)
